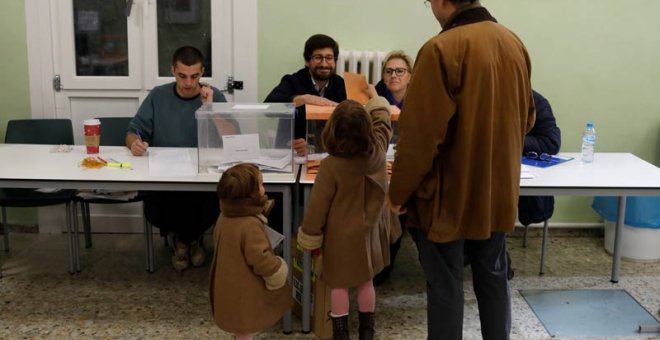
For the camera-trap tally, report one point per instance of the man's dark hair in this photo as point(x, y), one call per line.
point(319, 41)
point(187, 55)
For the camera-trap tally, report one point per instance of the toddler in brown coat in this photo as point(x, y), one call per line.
point(249, 290)
point(346, 217)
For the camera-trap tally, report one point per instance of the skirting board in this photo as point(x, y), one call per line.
point(52, 221)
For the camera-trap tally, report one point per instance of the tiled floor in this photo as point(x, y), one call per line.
point(113, 297)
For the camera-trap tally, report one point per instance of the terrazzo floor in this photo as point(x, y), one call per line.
point(114, 298)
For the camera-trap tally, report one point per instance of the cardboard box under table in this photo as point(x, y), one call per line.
point(320, 295)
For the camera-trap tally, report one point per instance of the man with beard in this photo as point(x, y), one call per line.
point(315, 84)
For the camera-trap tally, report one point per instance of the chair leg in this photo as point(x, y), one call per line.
point(148, 243)
point(72, 252)
point(544, 246)
point(5, 229)
point(149, 246)
point(87, 223)
point(525, 236)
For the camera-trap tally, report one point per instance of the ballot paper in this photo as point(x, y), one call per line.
point(526, 172)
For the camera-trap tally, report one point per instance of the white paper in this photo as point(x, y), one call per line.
point(250, 106)
point(171, 163)
point(526, 172)
point(275, 162)
point(390, 151)
point(274, 237)
point(241, 147)
point(110, 195)
point(47, 190)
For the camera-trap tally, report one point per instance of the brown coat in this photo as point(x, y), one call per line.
point(347, 208)
point(468, 107)
point(243, 265)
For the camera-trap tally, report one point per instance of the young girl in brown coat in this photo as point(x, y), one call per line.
point(346, 217)
point(249, 291)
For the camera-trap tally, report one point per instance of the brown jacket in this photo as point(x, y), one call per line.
point(468, 107)
point(248, 290)
point(347, 216)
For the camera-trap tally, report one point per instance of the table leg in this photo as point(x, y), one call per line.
point(616, 256)
point(287, 221)
point(306, 277)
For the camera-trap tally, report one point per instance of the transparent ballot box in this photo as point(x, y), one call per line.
point(232, 133)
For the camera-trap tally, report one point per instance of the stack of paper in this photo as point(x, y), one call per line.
point(275, 163)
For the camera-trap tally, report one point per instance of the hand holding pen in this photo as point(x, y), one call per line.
point(138, 146)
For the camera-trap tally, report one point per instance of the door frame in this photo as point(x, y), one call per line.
point(43, 63)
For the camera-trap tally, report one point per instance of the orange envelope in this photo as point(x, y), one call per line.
point(316, 112)
point(356, 87)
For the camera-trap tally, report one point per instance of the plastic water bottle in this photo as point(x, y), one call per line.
point(588, 143)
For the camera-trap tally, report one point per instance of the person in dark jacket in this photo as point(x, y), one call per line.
point(396, 73)
point(316, 84)
point(545, 137)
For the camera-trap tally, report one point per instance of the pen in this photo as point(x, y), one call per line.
point(138, 133)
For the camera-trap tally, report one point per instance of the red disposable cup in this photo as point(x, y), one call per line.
point(92, 129)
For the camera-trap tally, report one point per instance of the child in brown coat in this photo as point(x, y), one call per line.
point(346, 217)
point(249, 290)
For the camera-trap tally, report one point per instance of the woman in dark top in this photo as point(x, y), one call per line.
point(396, 72)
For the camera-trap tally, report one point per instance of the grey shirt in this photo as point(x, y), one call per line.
point(166, 119)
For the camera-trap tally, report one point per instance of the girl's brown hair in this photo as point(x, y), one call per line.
point(240, 181)
point(349, 131)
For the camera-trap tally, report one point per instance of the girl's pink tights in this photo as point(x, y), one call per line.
point(366, 298)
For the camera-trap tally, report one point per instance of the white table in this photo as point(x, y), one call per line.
point(34, 166)
point(611, 174)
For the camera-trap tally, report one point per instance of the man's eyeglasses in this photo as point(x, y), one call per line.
point(317, 58)
point(399, 71)
point(535, 155)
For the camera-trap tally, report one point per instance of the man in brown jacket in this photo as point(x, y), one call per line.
point(457, 166)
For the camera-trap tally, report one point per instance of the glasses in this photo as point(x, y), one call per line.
point(542, 157)
point(427, 3)
point(317, 58)
point(399, 71)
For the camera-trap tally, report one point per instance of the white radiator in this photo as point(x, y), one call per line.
point(368, 63)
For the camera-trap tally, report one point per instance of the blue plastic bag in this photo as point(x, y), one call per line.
point(642, 211)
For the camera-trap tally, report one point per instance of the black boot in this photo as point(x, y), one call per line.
point(339, 327)
point(367, 323)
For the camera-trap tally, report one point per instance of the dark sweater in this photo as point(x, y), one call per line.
point(300, 83)
point(545, 137)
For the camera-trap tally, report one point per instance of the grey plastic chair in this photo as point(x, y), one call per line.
point(113, 133)
point(41, 131)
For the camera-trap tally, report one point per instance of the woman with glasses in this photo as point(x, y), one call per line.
point(396, 71)
point(396, 75)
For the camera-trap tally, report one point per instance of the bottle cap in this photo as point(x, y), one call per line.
point(590, 124)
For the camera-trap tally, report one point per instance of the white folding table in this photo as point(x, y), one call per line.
point(611, 174)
